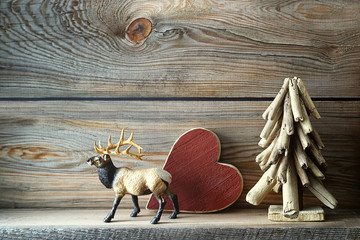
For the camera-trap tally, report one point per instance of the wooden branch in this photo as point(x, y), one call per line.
point(299, 152)
point(301, 172)
point(315, 170)
point(315, 135)
point(272, 173)
point(277, 187)
point(257, 194)
point(265, 164)
point(288, 116)
point(263, 142)
point(264, 155)
point(270, 124)
point(266, 142)
point(290, 193)
point(316, 154)
point(282, 171)
point(305, 123)
point(307, 99)
point(264, 167)
point(318, 189)
point(275, 104)
point(274, 156)
point(295, 100)
point(304, 139)
point(283, 141)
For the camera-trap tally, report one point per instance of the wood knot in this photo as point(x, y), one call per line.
point(139, 29)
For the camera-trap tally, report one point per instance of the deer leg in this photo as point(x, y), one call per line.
point(136, 204)
point(162, 203)
point(174, 199)
point(111, 214)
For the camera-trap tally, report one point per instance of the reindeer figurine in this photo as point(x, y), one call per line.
point(128, 181)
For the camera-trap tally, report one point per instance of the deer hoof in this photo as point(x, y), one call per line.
point(154, 221)
point(108, 219)
point(134, 214)
point(173, 215)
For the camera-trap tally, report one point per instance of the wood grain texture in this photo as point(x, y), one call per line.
point(234, 224)
point(78, 48)
point(44, 145)
point(307, 214)
point(237, 218)
point(175, 233)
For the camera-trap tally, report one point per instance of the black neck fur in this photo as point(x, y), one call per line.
point(107, 174)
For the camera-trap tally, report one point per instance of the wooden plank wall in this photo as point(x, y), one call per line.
point(69, 76)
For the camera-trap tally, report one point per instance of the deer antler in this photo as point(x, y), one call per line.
point(120, 143)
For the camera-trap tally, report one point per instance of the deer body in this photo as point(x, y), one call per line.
point(140, 182)
point(134, 182)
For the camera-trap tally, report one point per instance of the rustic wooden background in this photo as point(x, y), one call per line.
point(69, 76)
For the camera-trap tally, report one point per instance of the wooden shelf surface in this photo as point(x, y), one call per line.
point(231, 223)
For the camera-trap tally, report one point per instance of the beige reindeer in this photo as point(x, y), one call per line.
point(129, 181)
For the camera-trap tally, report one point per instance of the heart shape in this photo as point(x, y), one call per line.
point(201, 183)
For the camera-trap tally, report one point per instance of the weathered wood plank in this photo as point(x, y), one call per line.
point(257, 218)
point(192, 232)
point(232, 224)
point(67, 48)
point(44, 145)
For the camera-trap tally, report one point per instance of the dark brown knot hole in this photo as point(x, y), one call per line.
point(139, 29)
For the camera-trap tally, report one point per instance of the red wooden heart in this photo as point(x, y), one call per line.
point(201, 183)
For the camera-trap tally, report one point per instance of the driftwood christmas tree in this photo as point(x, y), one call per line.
point(292, 155)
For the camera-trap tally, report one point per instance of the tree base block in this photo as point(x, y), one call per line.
point(308, 214)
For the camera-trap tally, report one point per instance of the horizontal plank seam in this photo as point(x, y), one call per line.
point(239, 99)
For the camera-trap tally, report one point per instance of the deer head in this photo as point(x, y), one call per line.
point(99, 161)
